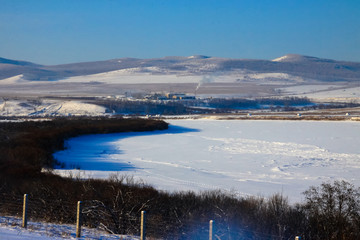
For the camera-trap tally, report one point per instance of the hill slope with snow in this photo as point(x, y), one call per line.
point(292, 64)
point(49, 108)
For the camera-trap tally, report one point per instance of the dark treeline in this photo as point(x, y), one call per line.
point(259, 103)
point(27, 147)
point(330, 211)
point(213, 105)
point(145, 107)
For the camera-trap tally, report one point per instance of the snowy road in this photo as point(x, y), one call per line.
point(243, 157)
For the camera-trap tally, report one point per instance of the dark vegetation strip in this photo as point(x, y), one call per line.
point(27, 147)
point(214, 105)
point(331, 211)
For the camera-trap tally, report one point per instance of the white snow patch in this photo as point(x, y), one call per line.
point(13, 80)
point(73, 108)
point(279, 59)
point(325, 92)
point(270, 75)
point(346, 94)
point(270, 78)
point(17, 108)
point(311, 88)
point(49, 107)
point(134, 76)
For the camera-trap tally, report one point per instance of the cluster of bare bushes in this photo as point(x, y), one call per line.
point(330, 211)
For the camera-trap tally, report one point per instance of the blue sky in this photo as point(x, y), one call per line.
point(65, 31)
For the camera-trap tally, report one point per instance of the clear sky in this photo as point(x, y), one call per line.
point(65, 31)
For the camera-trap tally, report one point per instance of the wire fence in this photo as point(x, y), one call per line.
point(114, 220)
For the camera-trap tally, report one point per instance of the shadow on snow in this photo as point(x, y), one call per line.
point(96, 152)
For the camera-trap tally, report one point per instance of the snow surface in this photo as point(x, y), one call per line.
point(347, 94)
point(49, 108)
point(158, 75)
point(325, 92)
point(72, 108)
point(10, 230)
point(13, 80)
point(134, 76)
point(243, 157)
point(303, 89)
point(279, 59)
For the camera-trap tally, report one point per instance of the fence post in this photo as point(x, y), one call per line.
point(211, 229)
point(143, 225)
point(78, 219)
point(24, 215)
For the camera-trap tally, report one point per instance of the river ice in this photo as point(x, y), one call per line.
point(243, 157)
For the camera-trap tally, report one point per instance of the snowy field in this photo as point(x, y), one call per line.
point(243, 157)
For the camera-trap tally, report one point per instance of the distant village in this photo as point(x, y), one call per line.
point(169, 96)
point(180, 103)
point(154, 96)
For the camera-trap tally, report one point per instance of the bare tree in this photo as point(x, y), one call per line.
point(333, 211)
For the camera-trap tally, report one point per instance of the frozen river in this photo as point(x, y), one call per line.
point(243, 157)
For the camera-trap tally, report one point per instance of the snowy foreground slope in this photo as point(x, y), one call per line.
point(243, 157)
point(10, 230)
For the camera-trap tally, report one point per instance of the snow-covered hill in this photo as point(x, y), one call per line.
point(49, 108)
point(304, 67)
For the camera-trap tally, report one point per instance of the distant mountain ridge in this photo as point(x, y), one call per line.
point(16, 62)
point(298, 65)
point(301, 58)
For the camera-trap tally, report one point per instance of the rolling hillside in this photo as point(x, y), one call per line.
point(304, 67)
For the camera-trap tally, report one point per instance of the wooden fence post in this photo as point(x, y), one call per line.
point(24, 215)
point(143, 225)
point(78, 219)
point(211, 229)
